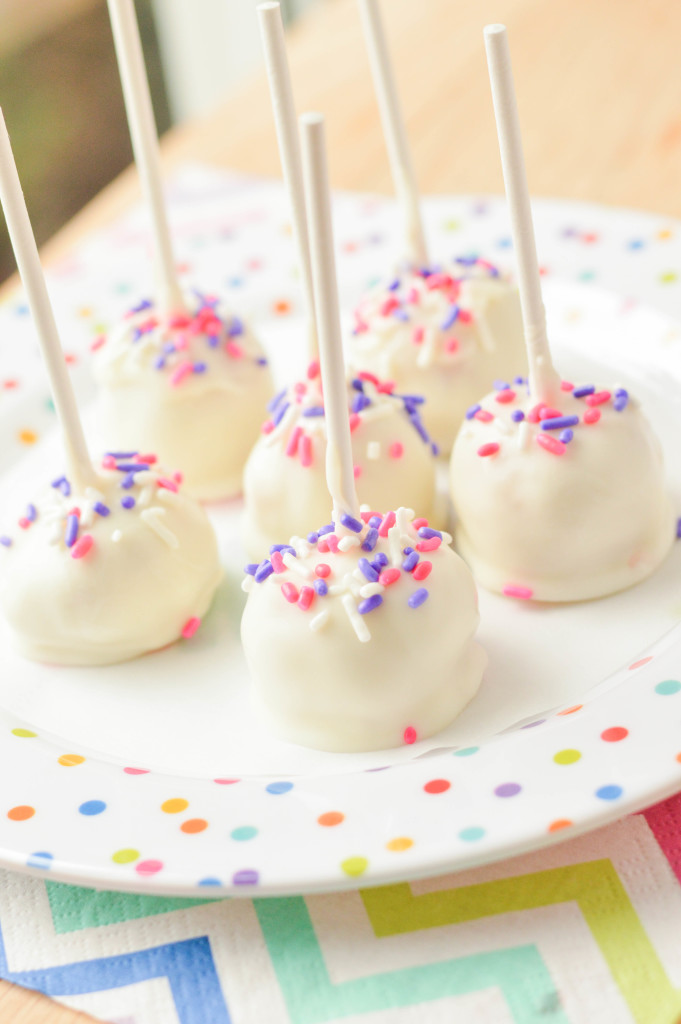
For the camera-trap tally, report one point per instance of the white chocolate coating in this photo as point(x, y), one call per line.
point(150, 570)
point(394, 463)
point(197, 406)
point(403, 333)
point(334, 678)
point(587, 520)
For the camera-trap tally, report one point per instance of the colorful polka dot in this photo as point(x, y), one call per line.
point(640, 663)
point(21, 813)
point(330, 818)
point(567, 756)
point(399, 844)
point(40, 859)
point(194, 825)
point(437, 786)
point(571, 710)
point(559, 824)
point(277, 788)
point(175, 805)
point(354, 866)
point(25, 734)
point(149, 867)
point(92, 807)
point(70, 760)
point(136, 771)
point(209, 881)
point(668, 687)
point(614, 734)
point(226, 782)
point(466, 751)
point(126, 856)
point(471, 834)
point(243, 833)
point(246, 876)
point(507, 789)
point(609, 792)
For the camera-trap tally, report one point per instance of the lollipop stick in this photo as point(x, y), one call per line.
point(285, 121)
point(544, 381)
point(145, 145)
point(394, 130)
point(340, 478)
point(79, 466)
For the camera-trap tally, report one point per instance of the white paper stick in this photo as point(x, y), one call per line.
point(145, 146)
point(395, 131)
point(79, 466)
point(544, 381)
point(286, 124)
point(340, 477)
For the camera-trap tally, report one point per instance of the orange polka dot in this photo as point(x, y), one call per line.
point(194, 825)
point(28, 436)
point(399, 844)
point(330, 818)
point(70, 358)
point(571, 711)
point(282, 307)
point(85, 312)
point(69, 760)
point(175, 805)
point(678, 758)
point(558, 824)
point(21, 813)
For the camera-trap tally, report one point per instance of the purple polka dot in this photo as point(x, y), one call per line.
point(531, 725)
point(507, 789)
point(246, 877)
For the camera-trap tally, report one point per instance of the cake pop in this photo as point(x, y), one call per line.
point(559, 487)
point(393, 455)
point(362, 635)
point(109, 562)
point(442, 330)
point(178, 376)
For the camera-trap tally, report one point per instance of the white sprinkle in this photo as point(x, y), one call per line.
point(152, 517)
point(87, 518)
point(247, 584)
point(359, 575)
point(146, 495)
point(501, 426)
point(374, 450)
point(523, 435)
point(369, 589)
point(426, 353)
point(356, 620)
point(319, 620)
point(116, 536)
point(446, 537)
point(168, 496)
point(348, 542)
point(292, 563)
point(93, 495)
point(302, 547)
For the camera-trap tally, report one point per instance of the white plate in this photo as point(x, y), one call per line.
point(156, 776)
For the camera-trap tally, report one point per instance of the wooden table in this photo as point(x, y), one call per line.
point(600, 104)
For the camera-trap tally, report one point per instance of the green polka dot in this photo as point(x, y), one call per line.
point(567, 756)
point(668, 277)
point(466, 751)
point(243, 833)
point(668, 687)
point(452, 225)
point(469, 835)
point(24, 733)
point(586, 275)
point(355, 866)
point(125, 856)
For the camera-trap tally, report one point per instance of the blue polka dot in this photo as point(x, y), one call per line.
point(209, 881)
point(466, 751)
point(469, 835)
point(91, 807)
point(279, 787)
point(635, 243)
point(41, 859)
point(243, 833)
point(609, 792)
point(668, 687)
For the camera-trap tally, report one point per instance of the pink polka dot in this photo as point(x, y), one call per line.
point(149, 867)
point(641, 663)
point(226, 782)
point(136, 771)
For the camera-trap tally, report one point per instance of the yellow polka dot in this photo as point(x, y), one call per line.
point(28, 436)
point(566, 756)
point(69, 760)
point(24, 733)
point(125, 856)
point(85, 312)
point(355, 866)
point(665, 234)
point(399, 844)
point(175, 805)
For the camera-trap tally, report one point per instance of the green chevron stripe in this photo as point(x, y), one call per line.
point(594, 886)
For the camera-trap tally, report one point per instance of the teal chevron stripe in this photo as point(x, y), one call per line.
point(311, 998)
point(74, 908)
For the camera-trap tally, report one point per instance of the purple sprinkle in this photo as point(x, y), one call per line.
point(517, 415)
point(407, 550)
point(411, 399)
point(394, 285)
point(435, 448)
point(375, 521)
point(360, 402)
point(128, 501)
point(531, 725)
point(410, 562)
point(58, 482)
point(101, 509)
point(365, 567)
point(583, 392)
point(72, 525)
point(200, 367)
point(281, 412)
point(120, 455)
point(274, 402)
point(364, 607)
point(6, 542)
point(312, 538)
point(371, 539)
point(678, 529)
point(380, 559)
point(314, 410)
point(350, 523)
point(213, 340)
point(323, 530)
point(251, 568)
point(136, 334)
point(159, 363)
point(558, 422)
point(621, 399)
point(321, 587)
point(566, 436)
point(245, 877)
point(31, 513)
point(264, 570)
point(262, 361)
point(427, 533)
point(501, 385)
point(401, 314)
point(466, 261)
point(470, 413)
point(358, 384)
point(518, 380)
point(450, 318)
point(235, 328)
point(168, 348)
point(132, 467)
point(283, 548)
point(418, 597)
point(418, 426)
point(144, 304)
point(128, 481)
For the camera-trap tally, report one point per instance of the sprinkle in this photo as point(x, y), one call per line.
point(450, 318)
point(116, 536)
point(314, 410)
point(128, 501)
point(152, 517)
point(410, 734)
point(566, 436)
point(592, 416)
point(470, 413)
point(101, 509)
point(387, 523)
point(370, 539)
point(584, 391)
point(558, 422)
point(483, 416)
point(280, 413)
point(236, 327)
point(293, 441)
point(319, 620)
point(148, 460)
point(351, 540)
point(501, 385)
point(417, 335)
point(491, 448)
point(350, 523)
point(370, 604)
point(322, 570)
point(426, 532)
point(565, 385)
point(621, 399)
point(181, 371)
point(515, 590)
point(251, 568)
point(306, 450)
point(292, 563)
point(599, 398)
point(366, 568)
point(165, 484)
point(313, 369)
point(234, 350)
point(396, 450)
point(117, 456)
point(31, 513)
point(274, 402)
point(422, 570)
point(551, 444)
point(388, 577)
point(82, 546)
point(356, 620)
point(199, 367)
point(547, 413)
point(6, 542)
point(517, 415)
point(418, 598)
point(432, 544)
point(290, 592)
point(277, 562)
point(380, 561)
point(264, 570)
point(354, 421)
point(72, 527)
point(410, 561)
point(306, 598)
point(504, 397)
point(321, 587)
point(323, 530)
point(678, 531)
point(24, 523)
point(190, 627)
point(374, 450)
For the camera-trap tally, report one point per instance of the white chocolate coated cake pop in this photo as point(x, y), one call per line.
point(443, 334)
point(285, 489)
point(362, 637)
point(122, 567)
point(189, 386)
point(560, 503)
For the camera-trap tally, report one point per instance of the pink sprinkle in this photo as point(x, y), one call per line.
point(190, 627)
point(292, 446)
point(180, 372)
point(388, 521)
point(452, 345)
point(357, 472)
point(386, 387)
point(390, 304)
point(566, 385)
point(82, 546)
point(179, 321)
point(417, 335)
point(24, 523)
point(98, 342)
point(598, 398)
point(533, 414)
point(332, 541)
point(418, 523)
point(108, 462)
point(422, 570)
point(181, 343)
point(396, 450)
point(465, 316)
point(389, 576)
point(306, 598)
point(514, 590)
point(410, 734)
point(504, 397)
point(313, 370)
point(322, 570)
point(290, 592)
point(75, 511)
point(488, 449)
point(592, 416)
point(432, 544)
point(234, 350)
point(439, 281)
point(277, 560)
point(267, 427)
point(164, 483)
point(323, 546)
point(483, 416)
point(547, 413)
point(361, 326)
point(413, 297)
point(305, 450)
point(300, 388)
point(372, 378)
point(178, 477)
point(551, 444)
point(146, 460)
point(354, 422)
